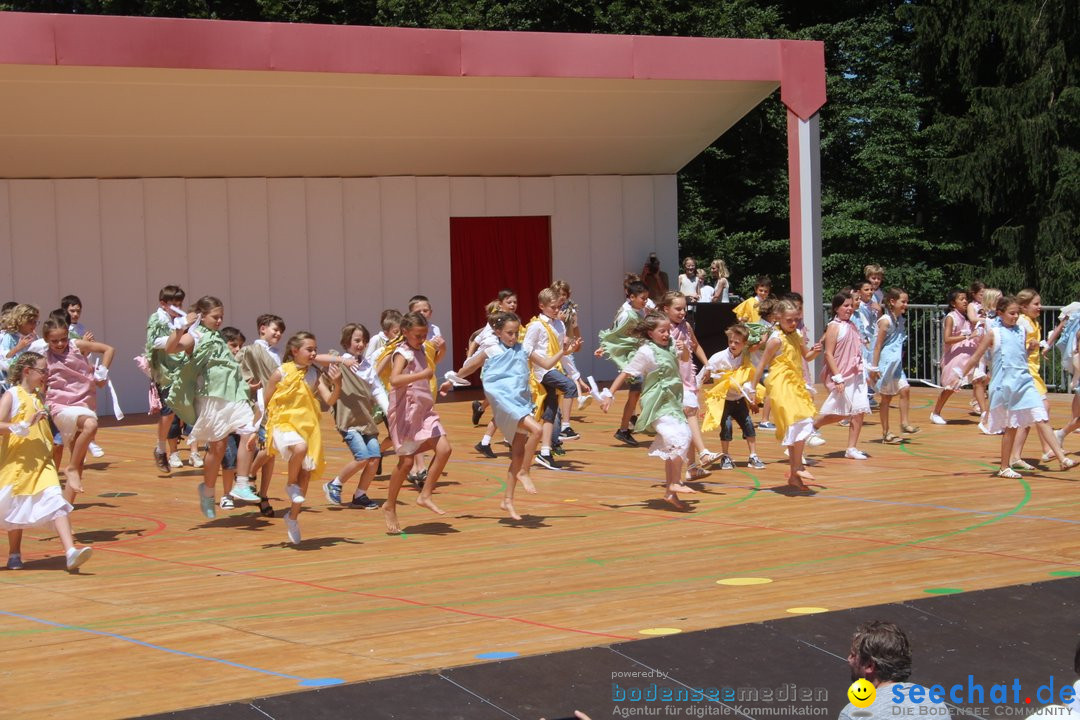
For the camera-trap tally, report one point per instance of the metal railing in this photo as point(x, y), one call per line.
point(924, 346)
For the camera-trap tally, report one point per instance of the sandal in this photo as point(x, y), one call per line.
point(1067, 464)
point(910, 429)
point(1022, 465)
point(891, 439)
point(1009, 473)
point(264, 507)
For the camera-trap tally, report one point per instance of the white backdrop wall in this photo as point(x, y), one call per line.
point(320, 252)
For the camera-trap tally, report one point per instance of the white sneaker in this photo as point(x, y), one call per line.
point(937, 419)
point(815, 440)
point(295, 496)
point(96, 450)
point(226, 503)
point(292, 527)
point(854, 454)
point(196, 459)
point(77, 556)
point(175, 461)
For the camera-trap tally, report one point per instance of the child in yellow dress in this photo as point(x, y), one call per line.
point(793, 408)
point(292, 420)
point(29, 484)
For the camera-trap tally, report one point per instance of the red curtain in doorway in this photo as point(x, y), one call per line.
point(487, 255)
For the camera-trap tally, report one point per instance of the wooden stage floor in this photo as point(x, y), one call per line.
point(175, 611)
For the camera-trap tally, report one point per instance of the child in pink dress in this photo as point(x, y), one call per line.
point(958, 336)
point(72, 395)
point(414, 424)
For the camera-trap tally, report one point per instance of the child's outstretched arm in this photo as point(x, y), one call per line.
point(608, 398)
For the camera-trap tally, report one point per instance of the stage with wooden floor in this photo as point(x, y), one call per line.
point(175, 611)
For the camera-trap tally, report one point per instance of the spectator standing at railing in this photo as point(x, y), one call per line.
point(959, 339)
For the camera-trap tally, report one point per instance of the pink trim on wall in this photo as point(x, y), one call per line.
point(110, 41)
point(795, 204)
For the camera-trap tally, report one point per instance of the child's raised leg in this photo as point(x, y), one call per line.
point(942, 398)
point(1046, 434)
point(442, 455)
point(302, 482)
point(87, 429)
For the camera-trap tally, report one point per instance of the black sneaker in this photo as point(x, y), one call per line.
point(162, 461)
point(547, 461)
point(557, 449)
point(484, 450)
point(625, 437)
point(363, 501)
point(477, 411)
point(567, 433)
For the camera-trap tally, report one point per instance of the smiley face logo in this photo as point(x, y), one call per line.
point(861, 693)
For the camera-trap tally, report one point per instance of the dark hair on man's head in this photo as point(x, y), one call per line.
point(69, 300)
point(171, 294)
point(885, 646)
point(267, 319)
point(7, 306)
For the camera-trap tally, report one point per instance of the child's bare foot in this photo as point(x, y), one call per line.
point(426, 501)
point(672, 499)
point(680, 487)
point(390, 516)
point(508, 506)
point(74, 481)
point(526, 482)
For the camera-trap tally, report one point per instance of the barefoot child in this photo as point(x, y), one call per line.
point(29, 485)
point(793, 408)
point(414, 424)
point(361, 401)
point(72, 395)
point(1014, 400)
point(506, 385)
point(887, 369)
point(657, 362)
point(292, 425)
point(724, 401)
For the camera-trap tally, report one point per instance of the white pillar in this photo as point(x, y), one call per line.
point(804, 175)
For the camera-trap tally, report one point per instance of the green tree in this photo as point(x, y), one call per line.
point(1004, 77)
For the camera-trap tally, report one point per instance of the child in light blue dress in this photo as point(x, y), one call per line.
point(1015, 402)
point(886, 370)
